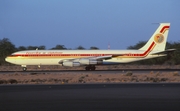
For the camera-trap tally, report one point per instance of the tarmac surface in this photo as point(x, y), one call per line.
point(91, 97)
point(94, 72)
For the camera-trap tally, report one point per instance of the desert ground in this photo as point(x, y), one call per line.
point(35, 77)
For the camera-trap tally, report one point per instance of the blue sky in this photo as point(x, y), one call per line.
point(120, 23)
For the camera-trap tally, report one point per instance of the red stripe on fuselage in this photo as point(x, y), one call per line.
point(143, 54)
point(164, 28)
point(85, 55)
point(149, 49)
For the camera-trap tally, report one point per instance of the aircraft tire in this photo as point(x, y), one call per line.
point(24, 68)
point(92, 68)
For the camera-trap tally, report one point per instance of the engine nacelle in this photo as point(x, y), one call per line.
point(80, 62)
point(89, 61)
point(71, 64)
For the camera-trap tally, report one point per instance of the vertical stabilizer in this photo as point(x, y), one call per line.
point(158, 39)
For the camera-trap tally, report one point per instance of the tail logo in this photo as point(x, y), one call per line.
point(159, 38)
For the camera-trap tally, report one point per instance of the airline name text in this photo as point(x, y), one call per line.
point(43, 52)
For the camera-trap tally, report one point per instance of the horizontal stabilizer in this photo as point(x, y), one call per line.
point(164, 52)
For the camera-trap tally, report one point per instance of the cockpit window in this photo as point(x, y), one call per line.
point(12, 55)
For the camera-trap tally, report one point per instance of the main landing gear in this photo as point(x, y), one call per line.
point(92, 68)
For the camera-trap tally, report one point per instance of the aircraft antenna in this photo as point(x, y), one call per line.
point(109, 46)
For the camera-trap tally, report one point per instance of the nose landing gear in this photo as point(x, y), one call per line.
point(24, 68)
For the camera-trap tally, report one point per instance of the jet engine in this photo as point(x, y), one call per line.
point(89, 61)
point(81, 62)
point(71, 63)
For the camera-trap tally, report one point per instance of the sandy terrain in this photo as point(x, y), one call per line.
point(73, 78)
point(111, 67)
point(87, 77)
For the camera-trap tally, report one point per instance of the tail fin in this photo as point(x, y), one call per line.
point(158, 39)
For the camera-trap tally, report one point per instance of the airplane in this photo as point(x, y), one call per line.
point(154, 48)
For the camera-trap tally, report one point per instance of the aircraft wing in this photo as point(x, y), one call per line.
point(98, 58)
point(102, 57)
point(107, 57)
point(164, 52)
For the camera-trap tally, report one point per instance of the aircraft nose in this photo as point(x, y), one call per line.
point(6, 59)
point(10, 60)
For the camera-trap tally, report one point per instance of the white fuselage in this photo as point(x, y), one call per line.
point(53, 57)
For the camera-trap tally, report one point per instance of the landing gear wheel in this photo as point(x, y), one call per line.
point(92, 68)
point(24, 68)
point(87, 68)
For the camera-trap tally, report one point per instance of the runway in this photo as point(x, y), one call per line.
point(95, 72)
point(91, 97)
